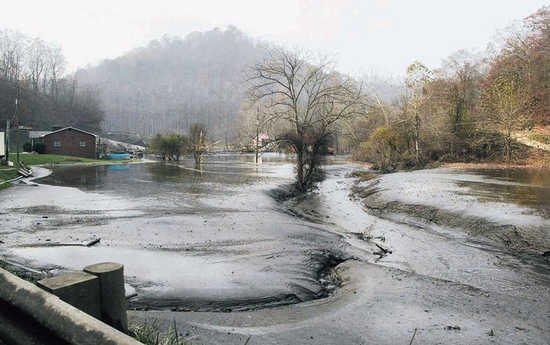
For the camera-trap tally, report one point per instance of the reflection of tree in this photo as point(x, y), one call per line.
point(185, 177)
point(197, 178)
point(216, 178)
point(532, 187)
point(536, 194)
point(161, 172)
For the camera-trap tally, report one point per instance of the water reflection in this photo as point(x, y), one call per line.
point(219, 174)
point(528, 187)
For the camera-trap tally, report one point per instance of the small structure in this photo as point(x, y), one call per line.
point(70, 141)
point(262, 140)
point(2, 145)
point(35, 137)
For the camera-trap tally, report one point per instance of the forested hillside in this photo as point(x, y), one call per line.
point(33, 71)
point(469, 109)
point(174, 82)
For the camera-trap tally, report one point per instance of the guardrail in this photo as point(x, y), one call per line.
point(30, 315)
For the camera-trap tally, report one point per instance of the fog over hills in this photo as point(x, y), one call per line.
point(173, 82)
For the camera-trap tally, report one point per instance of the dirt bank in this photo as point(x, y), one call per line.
point(469, 202)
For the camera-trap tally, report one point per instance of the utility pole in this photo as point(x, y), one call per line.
point(257, 132)
point(7, 141)
point(17, 125)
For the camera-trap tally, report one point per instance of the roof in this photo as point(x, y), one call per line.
point(38, 134)
point(71, 128)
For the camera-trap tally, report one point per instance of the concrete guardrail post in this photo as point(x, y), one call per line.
point(112, 295)
point(79, 289)
point(31, 315)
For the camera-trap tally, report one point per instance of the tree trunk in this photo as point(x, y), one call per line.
point(256, 149)
point(508, 148)
point(416, 136)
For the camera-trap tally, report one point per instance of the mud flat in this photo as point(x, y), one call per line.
point(307, 270)
point(189, 240)
point(510, 206)
point(452, 286)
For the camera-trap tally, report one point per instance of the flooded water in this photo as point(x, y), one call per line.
point(200, 238)
point(527, 187)
point(461, 242)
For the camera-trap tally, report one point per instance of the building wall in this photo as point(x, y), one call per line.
point(70, 143)
point(2, 144)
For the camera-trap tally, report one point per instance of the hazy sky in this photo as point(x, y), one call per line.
point(363, 35)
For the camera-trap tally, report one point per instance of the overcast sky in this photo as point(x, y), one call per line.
point(363, 35)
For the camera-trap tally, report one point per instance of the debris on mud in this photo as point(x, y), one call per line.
point(22, 271)
point(326, 274)
point(363, 175)
point(92, 242)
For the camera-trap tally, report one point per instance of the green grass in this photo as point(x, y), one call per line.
point(6, 174)
point(149, 333)
point(37, 159)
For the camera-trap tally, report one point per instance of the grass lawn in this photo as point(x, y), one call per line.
point(6, 174)
point(36, 159)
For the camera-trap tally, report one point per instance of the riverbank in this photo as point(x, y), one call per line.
point(539, 159)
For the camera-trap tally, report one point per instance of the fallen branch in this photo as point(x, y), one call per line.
point(92, 242)
point(384, 250)
point(413, 336)
point(23, 267)
point(12, 180)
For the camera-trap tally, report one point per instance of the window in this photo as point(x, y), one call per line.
point(82, 143)
point(57, 143)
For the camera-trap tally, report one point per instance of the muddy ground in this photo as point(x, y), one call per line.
point(457, 254)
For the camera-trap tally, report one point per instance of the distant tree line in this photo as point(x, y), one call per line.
point(34, 71)
point(172, 146)
point(467, 110)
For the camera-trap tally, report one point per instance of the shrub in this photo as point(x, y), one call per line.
point(27, 147)
point(382, 148)
point(150, 334)
point(39, 148)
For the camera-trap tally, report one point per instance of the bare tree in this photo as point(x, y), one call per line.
point(310, 98)
point(37, 61)
point(251, 124)
point(56, 68)
point(197, 142)
point(417, 76)
point(12, 52)
point(504, 100)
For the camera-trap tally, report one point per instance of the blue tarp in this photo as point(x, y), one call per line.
point(118, 156)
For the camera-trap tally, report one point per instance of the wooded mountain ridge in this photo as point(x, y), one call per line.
point(174, 82)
